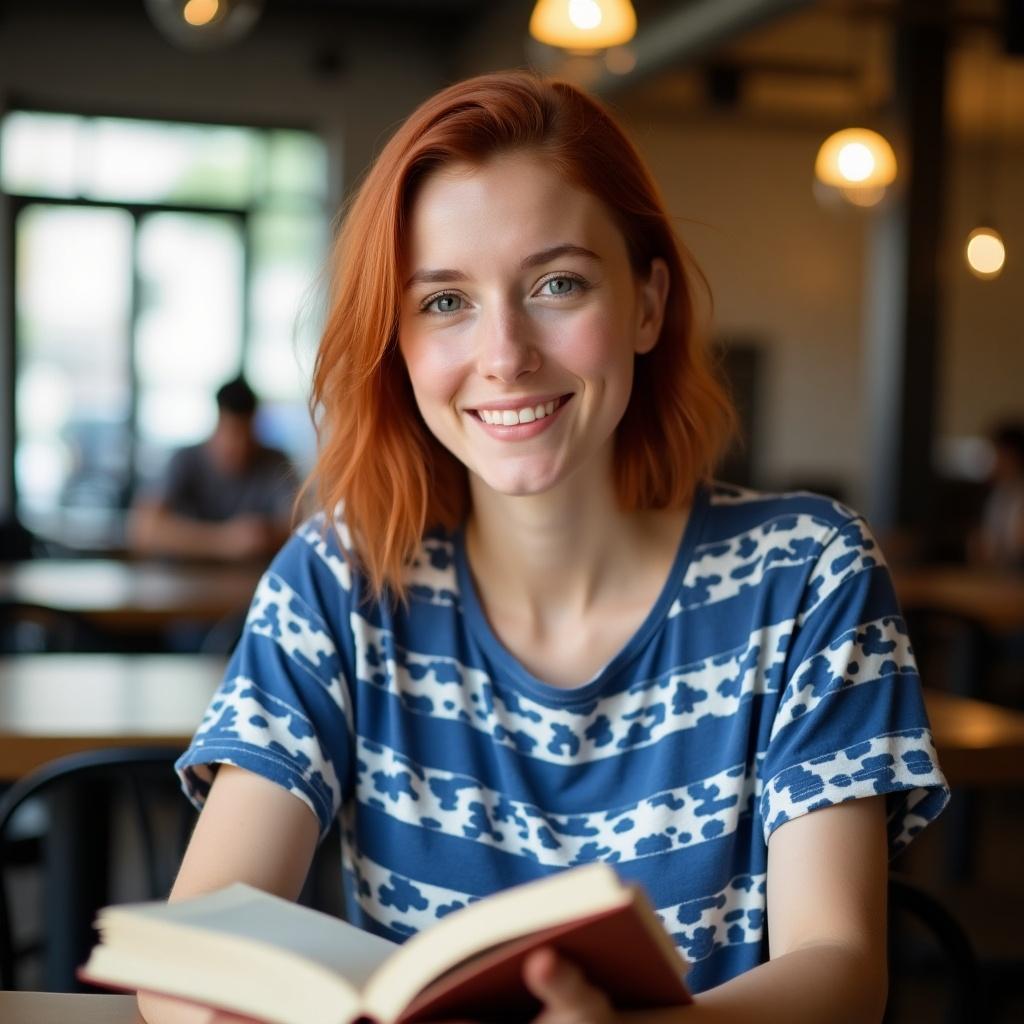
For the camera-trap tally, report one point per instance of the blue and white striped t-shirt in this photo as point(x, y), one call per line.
point(773, 676)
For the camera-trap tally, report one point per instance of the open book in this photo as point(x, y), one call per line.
point(242, 950)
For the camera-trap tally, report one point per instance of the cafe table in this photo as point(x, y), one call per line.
point(994, 599)
point(55, 1008)
point(57, 704)
point(980, 745)
point(125, 595)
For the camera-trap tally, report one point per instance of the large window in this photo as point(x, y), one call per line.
point(153, 261)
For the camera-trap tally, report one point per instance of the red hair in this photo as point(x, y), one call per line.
point(377, 459)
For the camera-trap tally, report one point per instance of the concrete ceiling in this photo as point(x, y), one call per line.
point(768, 61)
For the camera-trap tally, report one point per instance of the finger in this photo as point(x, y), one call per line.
point(563, 988)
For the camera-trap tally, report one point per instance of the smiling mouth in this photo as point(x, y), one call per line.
point(524, 414)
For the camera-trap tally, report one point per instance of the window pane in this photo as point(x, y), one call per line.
point(184, 163)
point(39, 154)
point(72, 397)
point(286, 320)
point(296, 165)
point(128, 160)
point(189, 331)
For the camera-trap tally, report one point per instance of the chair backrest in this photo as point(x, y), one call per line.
point(945, 966)
point(953, 650)
point(34, 629)
point(100, 826)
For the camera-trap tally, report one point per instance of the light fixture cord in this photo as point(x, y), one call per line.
point(987, 175)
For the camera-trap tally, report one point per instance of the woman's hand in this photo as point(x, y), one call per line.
point(567, 996)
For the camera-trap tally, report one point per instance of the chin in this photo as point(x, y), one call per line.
point(520, 485)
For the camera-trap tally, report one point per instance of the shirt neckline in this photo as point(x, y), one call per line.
point(513, 672)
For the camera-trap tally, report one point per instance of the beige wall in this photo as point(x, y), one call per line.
point(785, 273)
point(790, 274)
point(982, 377)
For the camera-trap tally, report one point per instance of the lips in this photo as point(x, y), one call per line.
point(510, 411)
point(519, 420)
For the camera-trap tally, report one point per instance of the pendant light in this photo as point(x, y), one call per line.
point(583, 24)
point(203, 24)
point(858, 163)
point(985, 253)
point(984, 249)
point(855, 166)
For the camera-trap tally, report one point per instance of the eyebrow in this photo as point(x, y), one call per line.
point(537, 259)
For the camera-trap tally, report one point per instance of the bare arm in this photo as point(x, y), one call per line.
point(827, 877)
point(251, 830)
point(153, 529)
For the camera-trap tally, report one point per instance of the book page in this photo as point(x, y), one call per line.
point(248, 913)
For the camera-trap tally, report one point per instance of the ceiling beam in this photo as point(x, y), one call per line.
point(689, 31)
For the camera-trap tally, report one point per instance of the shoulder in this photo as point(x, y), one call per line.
point(187, 457)
point(797, 523)
point(318, 546)
point(790, 544)
point(322, 547)
point(750, 509)
point(272, 456)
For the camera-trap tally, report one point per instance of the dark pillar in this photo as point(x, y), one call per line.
point(903, 300)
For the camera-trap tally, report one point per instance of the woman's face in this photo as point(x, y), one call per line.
point(520, 321)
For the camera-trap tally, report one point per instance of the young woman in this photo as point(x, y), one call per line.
point(528, 631)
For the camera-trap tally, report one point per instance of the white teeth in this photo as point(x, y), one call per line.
point(512, 417)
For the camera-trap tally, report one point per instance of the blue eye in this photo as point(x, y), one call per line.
point(436, 302)
point(563, 284)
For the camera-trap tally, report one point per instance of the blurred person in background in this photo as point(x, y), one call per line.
point(999, 539)
point(227, 498)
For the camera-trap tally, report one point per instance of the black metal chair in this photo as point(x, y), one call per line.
point(954, 651)
point(103, 826)
point(34, 629)
point(75, 820)
point(946, 960)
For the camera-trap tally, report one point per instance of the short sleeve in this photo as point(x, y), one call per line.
point(283, 709)
point(850, 720)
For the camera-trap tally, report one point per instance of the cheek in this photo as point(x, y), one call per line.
point(433, 372)
point(596, 346)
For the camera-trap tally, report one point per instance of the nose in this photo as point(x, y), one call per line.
point(506, 350)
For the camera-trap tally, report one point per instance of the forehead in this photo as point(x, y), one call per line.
point(514, 204)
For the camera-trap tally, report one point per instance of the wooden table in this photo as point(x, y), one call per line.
point(52, 1008)
point(57, 704)
point(979, 744)
point(995, 599)
point(127, 595)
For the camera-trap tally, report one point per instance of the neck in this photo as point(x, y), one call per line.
point(554, 558)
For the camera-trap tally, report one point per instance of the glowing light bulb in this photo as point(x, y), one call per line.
point(985, 252)
point(583, 24)
point(584, 14)
point(855, 157)
point(200, 12)
point(856, 162)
